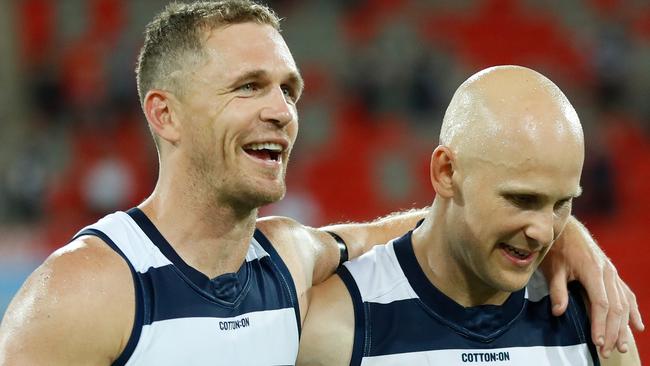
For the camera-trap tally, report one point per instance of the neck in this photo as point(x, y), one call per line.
point(434, 247)
point(213, 237)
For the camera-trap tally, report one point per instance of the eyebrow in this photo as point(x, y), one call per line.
point(294, 79)
point(522, 190)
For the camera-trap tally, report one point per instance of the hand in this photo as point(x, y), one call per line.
point(575, 256)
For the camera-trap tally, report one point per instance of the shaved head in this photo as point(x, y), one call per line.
point(506, 172)
point(509, 113)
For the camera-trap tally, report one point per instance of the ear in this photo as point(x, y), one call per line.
point(441, 171)
point(160, 115)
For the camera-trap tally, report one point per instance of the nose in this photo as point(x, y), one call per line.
point(276, 109)
point(541, 227)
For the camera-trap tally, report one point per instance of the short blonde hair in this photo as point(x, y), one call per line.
point(177, 34)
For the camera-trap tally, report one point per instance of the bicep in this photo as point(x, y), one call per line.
point(39, 328)
point(57, 319)
point(328, 332)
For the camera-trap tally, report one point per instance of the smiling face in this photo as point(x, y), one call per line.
point(516, 171)
point(238, 116)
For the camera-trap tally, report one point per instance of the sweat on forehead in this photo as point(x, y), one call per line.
point(508, 105)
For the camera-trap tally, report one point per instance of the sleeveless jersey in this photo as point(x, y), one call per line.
point(182, 317)
point(402, 319)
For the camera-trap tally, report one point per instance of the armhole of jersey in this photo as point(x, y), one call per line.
point(139, 300)
point(283, 270)
point(578, 310)
point(359, 317)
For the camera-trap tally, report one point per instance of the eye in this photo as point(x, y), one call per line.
point(523, 200)
point(562, 204)
point(248, 87)
point(289, 93)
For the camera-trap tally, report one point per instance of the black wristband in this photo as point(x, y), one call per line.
point(343, 248)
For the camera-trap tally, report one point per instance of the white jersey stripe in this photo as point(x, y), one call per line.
point(226, 338)
point(529, 356)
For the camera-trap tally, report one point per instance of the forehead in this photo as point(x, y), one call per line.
point(555, 174)
point(238, 48)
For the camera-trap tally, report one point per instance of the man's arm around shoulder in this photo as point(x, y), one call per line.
point(77, 308)
point(317, 252)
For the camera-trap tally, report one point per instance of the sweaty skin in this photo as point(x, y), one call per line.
point(507, 169)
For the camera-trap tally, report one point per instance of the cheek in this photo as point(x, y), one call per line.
point(482, 210)
point(233, 122)
point(493, 219)
point(293, 130)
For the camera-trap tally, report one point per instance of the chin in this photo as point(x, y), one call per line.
point(259, 198)
point(512, 282)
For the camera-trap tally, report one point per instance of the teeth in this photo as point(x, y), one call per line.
point(519, 253)
point(265, 146)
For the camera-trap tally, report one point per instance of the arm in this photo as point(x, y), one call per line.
point(318, 253)
point(360, 238)
point(73, 310)
point(328, 332)
point(576, 256)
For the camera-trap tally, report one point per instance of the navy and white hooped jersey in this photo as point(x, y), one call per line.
point(184, 318)
point(402, 319)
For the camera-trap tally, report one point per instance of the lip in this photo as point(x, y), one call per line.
point(519, 262)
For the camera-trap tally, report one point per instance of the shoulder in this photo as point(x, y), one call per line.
point(286, 235)
point(287, 232)
point(292, 241)
point(76, 308)
point(310, 250)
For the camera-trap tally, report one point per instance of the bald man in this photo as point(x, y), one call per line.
point(462, 288)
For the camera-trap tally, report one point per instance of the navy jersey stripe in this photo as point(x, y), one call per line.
point(400, 327)
point(284, 273)
point(195, 277)
point(359, 344)
point(578, 309)
point(173, 298)
point(492, 320)
point(139, 300)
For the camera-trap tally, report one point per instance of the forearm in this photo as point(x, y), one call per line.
point(361, 237)
point(575, 232)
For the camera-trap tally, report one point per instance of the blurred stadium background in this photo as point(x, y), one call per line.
point(378, 73)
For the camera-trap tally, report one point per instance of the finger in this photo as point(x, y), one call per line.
point(593, 282)
point(558, 291)
point(623, 333)
point(635, 314)
point(615, 313)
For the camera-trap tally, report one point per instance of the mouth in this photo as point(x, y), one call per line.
point(267, 151)
point(518, 256)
